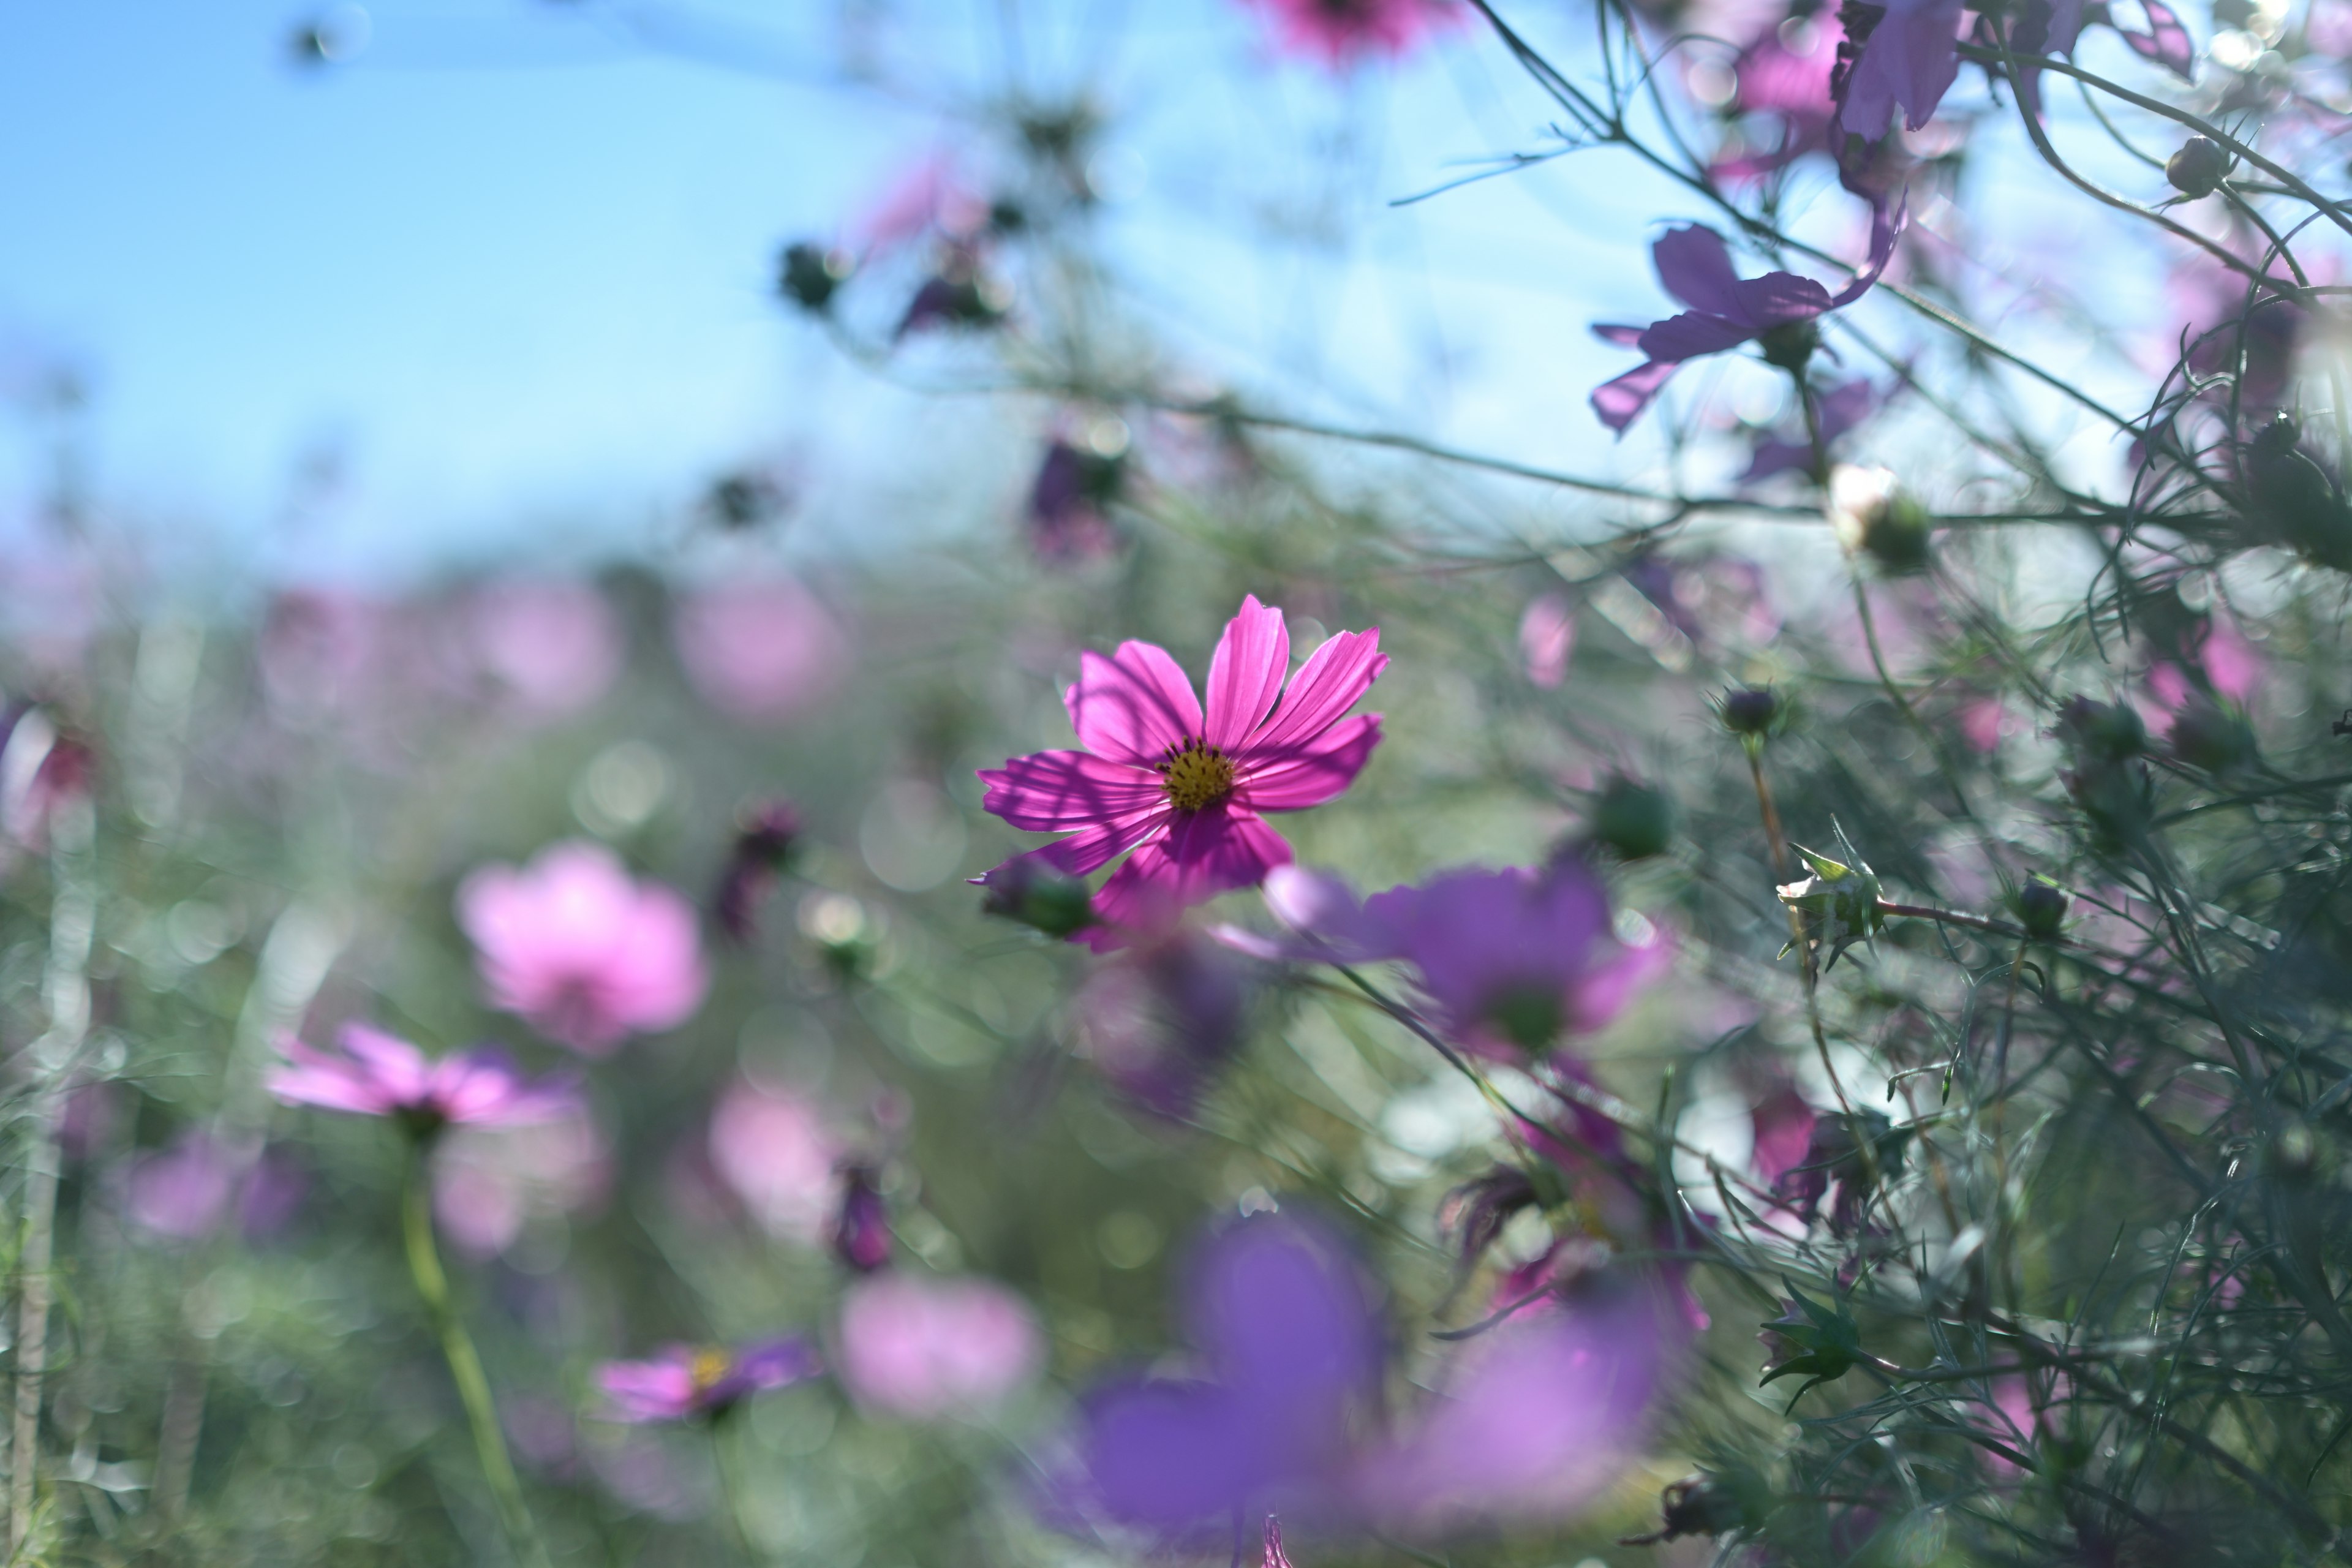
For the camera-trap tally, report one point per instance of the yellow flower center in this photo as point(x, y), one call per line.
point(1196, 775)
point(708, 1368)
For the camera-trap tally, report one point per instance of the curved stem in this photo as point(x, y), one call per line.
point(465, 1365)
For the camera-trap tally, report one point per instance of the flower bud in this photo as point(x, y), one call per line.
point(1837, 904)
point(1026, 889)
point(2104, 732)
point(861, 1227)
point(2210, 738)
point(1820, 1341)
point(1707, 1505)
point(1752, 712)
point(2197, 167)
point(2040, 910)
point(1633, 820)
point(1874, 517)
point(809, 275)
point(763, 845)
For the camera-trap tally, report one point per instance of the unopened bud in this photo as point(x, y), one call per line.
point(2040, 910)
point(1875, 516)
point(1752, 712)
point(2105, 732)
point(1633, 820)
point(1026, 889)
point(861, 1228)
point(2197, 167)
point(810, 274)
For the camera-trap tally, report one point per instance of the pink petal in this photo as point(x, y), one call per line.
point(1246, 674)
point(1620, 402)
point(1132, 706)
point(1203, 854)
point(396, 1065)
point(1083, 852)
point(1052, 791)
point(1325, 687)
point(1315, 773)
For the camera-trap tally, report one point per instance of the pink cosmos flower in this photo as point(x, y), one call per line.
point(589, 956)
point(1779, 309)
point(1546, 638)
point(555, 647)
point(1505, 957)
point(926, 1348)
point(773, 1151)
point(379, 1075)
point(764, 652)
point(682, 1382)
point(1182, 791)
point(1340, 31)
point(489, 1182)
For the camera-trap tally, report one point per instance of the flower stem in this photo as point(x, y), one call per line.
point(465, 1367)
point(730, 1491)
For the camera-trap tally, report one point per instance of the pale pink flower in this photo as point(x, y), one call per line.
point(682, 1382)
point(1184, 792)
point(1547, 638)
point(773, 1151)
point(588, 956)
point(556, 647)
point(488, 1183)
point(762, 652)
point(379, 1075)
point(1341, 32)
point(926, 1348)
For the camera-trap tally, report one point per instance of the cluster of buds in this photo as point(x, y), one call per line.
point(1839, 903)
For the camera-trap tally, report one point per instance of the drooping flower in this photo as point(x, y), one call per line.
point(682, 1382)
point(1182, 791)
point(1289, 1349)
point(925, 1348)
point(379, 1075)
point(860, 1232)
point(1510, 957)
point(1070, 497)
point(1341, 32)
point(1780, 311)
point(585, 952)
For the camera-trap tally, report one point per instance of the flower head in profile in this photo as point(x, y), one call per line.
point(683, 1383)
point(1780, 311)
point(1182, 789)
point(1341, 32)
point(1511, 957)
point(586, 953)
point(376, 1074)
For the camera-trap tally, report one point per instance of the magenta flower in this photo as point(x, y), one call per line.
point(1783, 74)
point(379, 1075)
point(1780, 310)
point(926, 1348)
point(1182, 792)
point(589, 956)
point(683, 1383)
point(1512, 956)
point(1341, 32)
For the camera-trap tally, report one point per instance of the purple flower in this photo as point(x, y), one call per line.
point(1779, 311)
point(379, 1075)
point(1905, 53)
point(1069, 500)
point(1288, 1348)
point(1158, 1021)
point(763, 845)
point(682, 1382)
point(1840, 409)
point(861, 1226)
point(1513, 956)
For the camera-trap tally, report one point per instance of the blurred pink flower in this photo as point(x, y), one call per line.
point(761, 652)
point(1547, 638)
point(926, 1348)
point(773, 1151)
point(379, 1075)
point(1509, 957)
point(682, 1382)
point(1158, 1021)
point(182, 1192)
point(589, 956)
point(1782, 74)
point(488, 1184)
point(926, 196)
point(557, 646)
point(1182, 793)
point(1341, 32)
point(1983, 722)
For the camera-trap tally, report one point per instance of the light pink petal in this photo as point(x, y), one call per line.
point(399, 1066)
point(330, 1088)
point(1203, 854)
point(1314, 774)
point(1133, 706)
point(1323, 911)
point(1246, 674)
point(1098, 846)
point(1052, 791)
point(1324, 688)
point(1602, 993)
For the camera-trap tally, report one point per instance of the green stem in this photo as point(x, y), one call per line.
point(465, 1367)
point(731, 1490)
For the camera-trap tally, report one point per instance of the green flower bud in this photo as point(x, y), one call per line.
point(1633, 820)
point(2197, 167)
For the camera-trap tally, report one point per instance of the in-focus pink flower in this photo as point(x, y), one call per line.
point(682, 1382)
point(556, 647)
point(1182, 791)
point(773, 1151)
point(1547, 638)
point(379, 1075)
point(1340, 31)
point(926, 1348)
point(1505, 957)
point(588, 956)
point(762, 652)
